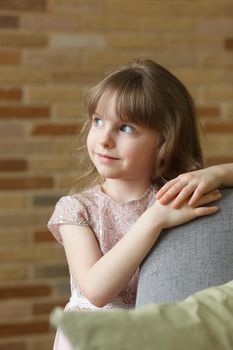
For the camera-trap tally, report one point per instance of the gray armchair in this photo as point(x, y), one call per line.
point(190, 257)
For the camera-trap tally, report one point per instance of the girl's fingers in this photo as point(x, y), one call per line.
point(171, 192)
point(208, 198)
point(195, 196)
point(183, 195)
point(203, 211)
point(199, 191)
point(165, 188)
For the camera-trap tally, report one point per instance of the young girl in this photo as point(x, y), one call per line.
point(141, 133)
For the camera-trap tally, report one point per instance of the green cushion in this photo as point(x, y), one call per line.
point(202, 321)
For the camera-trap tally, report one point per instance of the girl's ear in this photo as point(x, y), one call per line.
point(161, 155)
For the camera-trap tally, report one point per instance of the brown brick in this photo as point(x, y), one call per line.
point(23, 5)
point(13, 201)
point(78, 40)
point(23, 328)
point(9, 22)
point(15, 145)
point(44, 236)
point(217, 143)
point(208, 111)
point(64, 146)
point(209, 60)
point(44, 342)
point(44, 200)
point(62, 288)
point(13, 273)
point(44, 308)
point(14, 129)
point(46, 164)
point(15, 236)
point(219, 92)
point(218, 128)
point(229, 44)
point(22, 40)
point(218, 160)
point(14, 310)
point(200, 75)
point(26, 183)
point(27, 112)
point(29, 291)
point(73, 77)
point(13, 345)
point(178, 9)
point(74, 111)
point(214, 25)
point(97, 22)
point(66, 181)
point(51, 271)
point(10, 94)
point(56, 130)
point(23, 75)
point(75, 6)
point(13, 165)
point(33, 254)
point(168, 44)
point(9, 57)
point(47, 23)
point(97, 61)
point(57, 93)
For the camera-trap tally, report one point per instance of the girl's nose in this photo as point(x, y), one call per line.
point(107, 140)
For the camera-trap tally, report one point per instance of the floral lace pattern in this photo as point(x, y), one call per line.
point(109, 221)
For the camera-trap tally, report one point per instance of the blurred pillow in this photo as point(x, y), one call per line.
point(202, 321)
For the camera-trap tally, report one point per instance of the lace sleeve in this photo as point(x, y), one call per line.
point(70, 211)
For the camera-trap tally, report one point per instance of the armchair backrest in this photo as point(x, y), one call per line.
point(189, 257)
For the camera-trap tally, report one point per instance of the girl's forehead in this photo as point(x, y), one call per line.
point(112, 105)
point(106, 107)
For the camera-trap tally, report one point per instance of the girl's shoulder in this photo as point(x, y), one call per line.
point(91, 199)
point(79, 202)
point(72, 209)
point(85, 197)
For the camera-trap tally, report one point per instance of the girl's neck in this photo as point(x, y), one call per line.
point(124, 191)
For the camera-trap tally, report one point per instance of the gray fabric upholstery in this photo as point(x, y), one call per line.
point(190, 257)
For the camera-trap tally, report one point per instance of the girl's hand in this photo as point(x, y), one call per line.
point(170, 216)
point(190, 185)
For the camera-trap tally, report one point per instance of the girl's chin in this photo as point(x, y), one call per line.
point(109, 174)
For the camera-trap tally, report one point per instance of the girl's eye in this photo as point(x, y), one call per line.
point(98, 122)
point(127, 129)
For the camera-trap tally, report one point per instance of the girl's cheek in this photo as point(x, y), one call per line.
point(90, 137)
point(89, 142)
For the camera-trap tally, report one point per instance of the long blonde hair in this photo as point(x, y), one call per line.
point(148, 94)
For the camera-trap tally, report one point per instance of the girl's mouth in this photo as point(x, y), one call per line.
point(106, 156)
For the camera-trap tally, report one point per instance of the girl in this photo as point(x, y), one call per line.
point(141, 133)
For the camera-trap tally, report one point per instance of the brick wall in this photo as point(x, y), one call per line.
point(51, 51)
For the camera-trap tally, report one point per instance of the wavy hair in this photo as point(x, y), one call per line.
point(148, 94)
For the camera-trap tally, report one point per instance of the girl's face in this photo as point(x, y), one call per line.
point(121, 150)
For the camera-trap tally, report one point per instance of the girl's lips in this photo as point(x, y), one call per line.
point(106, 156)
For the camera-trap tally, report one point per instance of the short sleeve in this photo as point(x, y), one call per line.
point(68, 210)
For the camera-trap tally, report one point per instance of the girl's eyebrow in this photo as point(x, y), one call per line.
point(95, 113)
point(122, 121)
point(100, 116)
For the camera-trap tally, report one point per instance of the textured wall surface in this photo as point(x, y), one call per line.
point(51, 51)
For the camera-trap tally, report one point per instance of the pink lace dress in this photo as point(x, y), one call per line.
point(109, 221)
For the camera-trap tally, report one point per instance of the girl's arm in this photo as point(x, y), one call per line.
point(194, 184)
point(102, 278)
